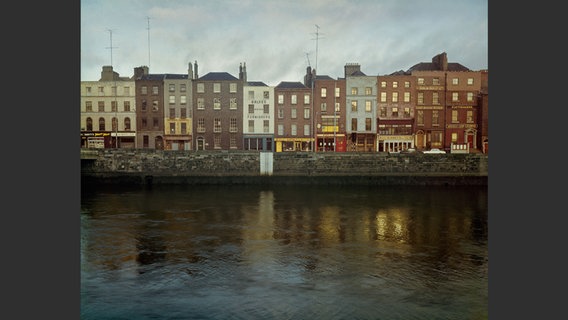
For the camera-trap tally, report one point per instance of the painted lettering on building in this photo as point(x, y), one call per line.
point(429, 108)
point(461, 126)
point(430, 88)
point(252, 116)
point(393, 137)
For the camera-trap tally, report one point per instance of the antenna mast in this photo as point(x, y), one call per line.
point(317, 40)
point(114, 121)
point(110, 31)
point(148, 18)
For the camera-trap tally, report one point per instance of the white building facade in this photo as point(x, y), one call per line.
point(258, 117)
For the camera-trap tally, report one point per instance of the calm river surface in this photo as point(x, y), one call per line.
point(289, 252)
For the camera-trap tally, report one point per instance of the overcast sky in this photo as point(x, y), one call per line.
point(278, 39)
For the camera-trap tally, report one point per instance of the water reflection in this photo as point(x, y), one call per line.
point(216, 252)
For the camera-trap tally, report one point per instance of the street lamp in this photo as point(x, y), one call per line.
point(334, 115)
point(312, 128)
point(115, 114)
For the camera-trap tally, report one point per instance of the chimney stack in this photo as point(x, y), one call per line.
point(108, 74)
point(351, 68)
point(140, 71)
point(196, 76)
point(243, 72)
point(308, 77)
point(189, 71)
point(441, 61)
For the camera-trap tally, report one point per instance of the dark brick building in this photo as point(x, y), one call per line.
point(293, 122)
point(149, 109)
point(218, 111)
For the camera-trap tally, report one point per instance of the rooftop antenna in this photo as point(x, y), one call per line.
point(148, 18)
point(115, 120)
point(308, 57)
point(111, 47)
point(317, 40)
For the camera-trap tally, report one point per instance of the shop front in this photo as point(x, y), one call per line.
point(293, 144)
point(394, 143)
point(173, 142)
point(259, 143)
point(331, 142)
point(96, 140)
point(361, 142)
point(395, 135)
point(126, 140)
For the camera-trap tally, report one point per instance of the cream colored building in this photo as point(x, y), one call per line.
point(108, 111)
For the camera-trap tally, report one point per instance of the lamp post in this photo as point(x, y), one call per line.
point(115, 93)
point(115, 114)
point(312, 127)
point(334, 115)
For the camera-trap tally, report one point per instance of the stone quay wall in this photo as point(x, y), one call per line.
point(147, 166)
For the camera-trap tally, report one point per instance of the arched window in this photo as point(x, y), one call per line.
point(101, 124)
point(114, 124)
point(89, 124)
point(127, 124)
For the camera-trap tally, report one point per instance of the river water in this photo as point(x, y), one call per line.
point(284, 252)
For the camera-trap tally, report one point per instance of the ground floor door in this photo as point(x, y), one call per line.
point(200, 143)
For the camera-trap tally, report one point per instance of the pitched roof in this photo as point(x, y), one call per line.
point(256, 84)
point(152, 77)
point(175, 76)
point(357, 73)
point(291, 85)
point(218, 76)
point(429, 66)
point(323, 77)
point(399, 73)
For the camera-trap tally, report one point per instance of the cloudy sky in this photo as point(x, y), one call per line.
point(278, 39)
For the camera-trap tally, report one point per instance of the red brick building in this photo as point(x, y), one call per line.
point(293, 122)
point(483, 118)
point(446, 105)
point(329, 112)
point(396, 101)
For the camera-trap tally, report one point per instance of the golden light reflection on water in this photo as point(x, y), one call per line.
point(179, 232)
point(359, 250)
point(330, 224)
point(392, 224)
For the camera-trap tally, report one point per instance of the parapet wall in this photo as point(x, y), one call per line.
point(148, 166)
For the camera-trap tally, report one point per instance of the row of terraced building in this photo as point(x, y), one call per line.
point(437, 104)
